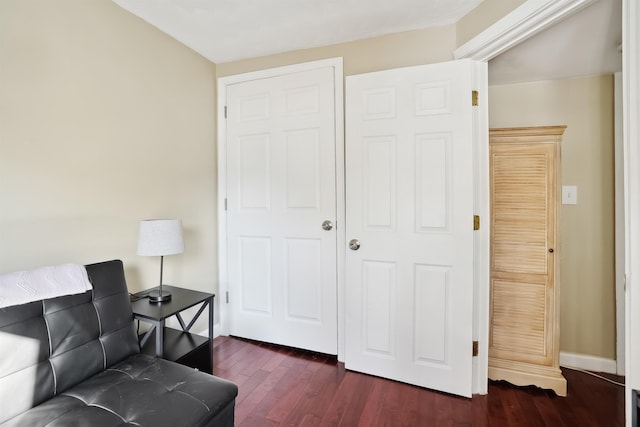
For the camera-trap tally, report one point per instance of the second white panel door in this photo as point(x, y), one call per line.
point(409, 273)
point(280, 192)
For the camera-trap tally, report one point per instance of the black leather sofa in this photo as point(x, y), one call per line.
point(75, 361)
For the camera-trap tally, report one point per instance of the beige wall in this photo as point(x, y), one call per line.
point(362, 56)
point(587, 281)
point(104, 121)
point(486, 14)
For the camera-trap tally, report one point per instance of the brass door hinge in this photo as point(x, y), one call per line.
point(474, 98)
point(475, 349)
point(476, 222)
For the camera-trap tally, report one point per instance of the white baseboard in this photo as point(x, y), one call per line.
point(588, 363)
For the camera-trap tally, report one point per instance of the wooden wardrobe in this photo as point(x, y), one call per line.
point(524, 324)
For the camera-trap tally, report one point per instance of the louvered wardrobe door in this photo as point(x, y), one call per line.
point(523, 347)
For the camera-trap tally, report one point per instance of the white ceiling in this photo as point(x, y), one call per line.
point(228, 30)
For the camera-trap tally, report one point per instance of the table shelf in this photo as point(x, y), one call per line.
point(183, 347)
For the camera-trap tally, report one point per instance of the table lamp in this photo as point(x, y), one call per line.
point(160, 237)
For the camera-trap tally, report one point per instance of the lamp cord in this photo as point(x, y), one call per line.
point(597, 376)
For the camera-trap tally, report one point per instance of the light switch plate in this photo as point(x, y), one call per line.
point(569, 195)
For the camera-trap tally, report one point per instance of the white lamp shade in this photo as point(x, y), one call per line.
point(159, 237)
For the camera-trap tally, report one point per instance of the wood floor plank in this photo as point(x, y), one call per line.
point(280, 386)
point(513, 412)
point(225, 347)
point(248, 387)
point(548, 412)
point(496, 412)
point(391, 404)
point(276, 359)
point(317, 396)
point(291, 399)
point(349, 399)
point(257, 421)
point(443, 410)
point(427, 408)
point(371, 410)
point(263, 397)
point(238, 356)
point(461, 410)
point(259, 357)
point(480, 411)
point(284, 378)
point(526, 400)
point(409, 406)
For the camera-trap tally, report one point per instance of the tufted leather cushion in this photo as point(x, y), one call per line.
point(141, 391)
point(74, 360)
point(50, 345)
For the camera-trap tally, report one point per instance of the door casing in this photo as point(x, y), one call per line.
point(525, 21)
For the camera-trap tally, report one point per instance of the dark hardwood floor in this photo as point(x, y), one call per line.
point(288, 387)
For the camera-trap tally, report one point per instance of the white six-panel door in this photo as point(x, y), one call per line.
point(281, 187)
point(409, 187)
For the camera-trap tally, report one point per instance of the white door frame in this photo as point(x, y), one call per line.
point(528, 19)
point(619, 225)
point(523, 22)
point(631, 158)
point(223, 82)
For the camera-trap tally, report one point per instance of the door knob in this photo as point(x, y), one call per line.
point(550, 250)
point(354, 244)
point(327, 225)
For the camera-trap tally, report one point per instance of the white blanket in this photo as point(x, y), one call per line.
point(46, 282)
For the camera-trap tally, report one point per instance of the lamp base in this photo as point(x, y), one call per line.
point(159, 295)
